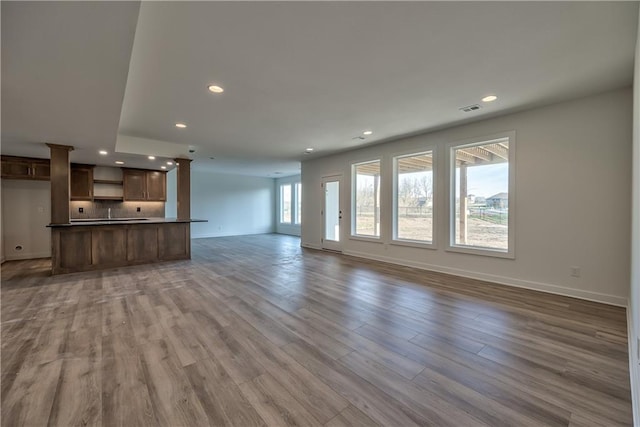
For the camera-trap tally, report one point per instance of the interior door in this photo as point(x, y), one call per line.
point(331, 214)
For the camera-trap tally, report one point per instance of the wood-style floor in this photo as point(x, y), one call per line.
point(257, 331)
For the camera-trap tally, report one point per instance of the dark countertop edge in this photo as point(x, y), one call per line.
point(85, 223)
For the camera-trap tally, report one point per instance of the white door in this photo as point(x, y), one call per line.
point(331, 214)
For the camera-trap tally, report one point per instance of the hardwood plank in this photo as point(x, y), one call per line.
point(316, 397)
point(29, 401)
point(374, 402)
point(173, 399)
point(220, 397)
point(351, 417)
point(274, 404)
point(255, 330)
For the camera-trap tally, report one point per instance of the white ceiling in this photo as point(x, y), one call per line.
point(295, 74)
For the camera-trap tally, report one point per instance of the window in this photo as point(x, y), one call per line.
point(482, 180)
point(285, 204)
point(298, 197)
point(366, 199)
point(413, 197)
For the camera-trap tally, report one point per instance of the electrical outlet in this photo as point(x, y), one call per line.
point(81, 210)
point(138, 209)
point(575, 271)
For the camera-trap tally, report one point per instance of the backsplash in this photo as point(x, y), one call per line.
point(100, 209)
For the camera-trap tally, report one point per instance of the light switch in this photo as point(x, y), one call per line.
point(40, 209)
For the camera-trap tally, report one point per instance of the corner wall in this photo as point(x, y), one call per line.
point(233, 204)
point(573, 180)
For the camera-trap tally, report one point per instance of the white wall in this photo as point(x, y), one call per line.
point(573, 156)
point(26, 212)
point(634, 298)
point(171, 205)
point(233, 204)
point(292, 229)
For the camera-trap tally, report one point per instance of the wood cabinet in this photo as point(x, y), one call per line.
point(25, 168)
point(81, 182)
point(95, 247)
point(144, 185)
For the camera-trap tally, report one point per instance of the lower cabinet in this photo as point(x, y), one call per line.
point(83, 248)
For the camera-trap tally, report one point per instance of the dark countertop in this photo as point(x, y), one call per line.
point(123, 221)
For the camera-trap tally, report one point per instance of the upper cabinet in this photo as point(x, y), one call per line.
point(144, 185)
point(25, 168)
point(81, 182)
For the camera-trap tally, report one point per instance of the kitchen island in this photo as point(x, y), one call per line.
point(84, 245)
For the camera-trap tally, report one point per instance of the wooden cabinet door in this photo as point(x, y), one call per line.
point(41, 171)
point(135, 183)
point(156, 186)
point(81, 183)
point(14, 168)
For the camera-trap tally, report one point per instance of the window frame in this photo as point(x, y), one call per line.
point(395, 240)
point(281, 204)
point(296, 201)
point(451, 197)
point(352, 229)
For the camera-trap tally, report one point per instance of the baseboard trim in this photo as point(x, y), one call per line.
point(27, 256)
point(509, 281)
point(633, 365)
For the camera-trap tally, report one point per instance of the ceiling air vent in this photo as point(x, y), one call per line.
point(470, 108)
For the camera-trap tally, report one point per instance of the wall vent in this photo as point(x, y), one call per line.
point(470, 108)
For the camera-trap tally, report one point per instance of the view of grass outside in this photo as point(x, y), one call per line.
point(485, 188)
point(367, 199)
point(414, 197)
point(285, 204)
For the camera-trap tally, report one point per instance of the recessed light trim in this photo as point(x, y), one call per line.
point(309, 150)
point(103, 152)
point(489, 98)
point(367, 132)
point(170, 163)
point(152, 157)
point(215, 89)
point(181, 125)
point(163, 167)
point(118, 162)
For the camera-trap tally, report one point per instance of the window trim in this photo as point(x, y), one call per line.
point(281, 203)
point(352, 229)
point(394, 199)
point(450, 194)
point(296, 202)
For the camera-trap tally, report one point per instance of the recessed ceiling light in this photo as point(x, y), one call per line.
point(367, 132)
point(103, 152)
point(308, 150)
point(169, 163)
point(163, 167)
point(152, 157)
point(215, 89)
point(181, 125)
point(489, 98)
point(118, 162)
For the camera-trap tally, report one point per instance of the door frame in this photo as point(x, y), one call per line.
point(332, 245)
